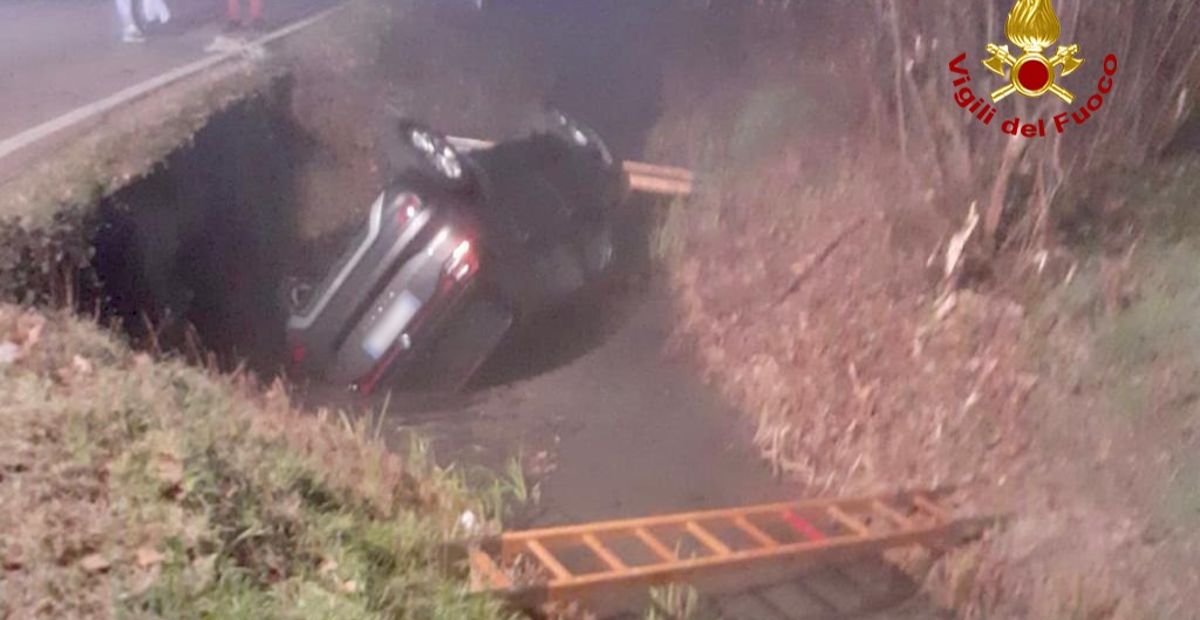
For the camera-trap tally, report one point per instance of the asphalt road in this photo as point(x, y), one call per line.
point(59, 55)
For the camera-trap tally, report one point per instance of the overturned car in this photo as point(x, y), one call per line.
point(458, 248)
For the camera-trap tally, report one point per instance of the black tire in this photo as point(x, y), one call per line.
point(577, 134)
point(409, 149)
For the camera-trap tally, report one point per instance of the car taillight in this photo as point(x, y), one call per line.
point(407, 207)
point(462, 262)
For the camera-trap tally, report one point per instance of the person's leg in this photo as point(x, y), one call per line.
point(255, 12)
point(129, 29)
point(156, 11)
point(233, 11)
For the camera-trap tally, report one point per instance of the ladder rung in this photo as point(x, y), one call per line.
point(892, 514)
point(754, 532)
point(849, 522)
point(484, 567)
point(930, 508)
point(548, 560)
point(603, 552)
point(713, 543)
point(654, 544)
point(801, 525)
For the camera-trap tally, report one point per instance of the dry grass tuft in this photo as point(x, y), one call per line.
point(152, 489)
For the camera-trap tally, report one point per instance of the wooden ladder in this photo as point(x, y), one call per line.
point(568, 563)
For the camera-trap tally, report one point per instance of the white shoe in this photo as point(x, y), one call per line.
point(133, 35)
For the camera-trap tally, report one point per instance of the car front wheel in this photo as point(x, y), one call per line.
point(412, 149)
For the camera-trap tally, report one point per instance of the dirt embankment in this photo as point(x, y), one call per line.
point(149, 489)
point(810, 277)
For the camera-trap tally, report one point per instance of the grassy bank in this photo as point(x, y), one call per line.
point(134, 488)
point(816, 286)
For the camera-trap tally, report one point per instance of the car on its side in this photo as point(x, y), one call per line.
point(458, 248)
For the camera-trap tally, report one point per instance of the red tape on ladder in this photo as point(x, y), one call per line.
point(806, 529)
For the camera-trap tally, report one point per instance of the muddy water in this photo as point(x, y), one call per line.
point(625, 429)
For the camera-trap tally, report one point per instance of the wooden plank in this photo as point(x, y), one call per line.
point(548, 560)
point(929, 508)
point(672, 172)
point(847, 521)
point(891, 514)
point(603, 552)
point(852, 504)
point(654, 544)
point(483, 566)
point(754, 532)
point(713, 543)
point(658, 185)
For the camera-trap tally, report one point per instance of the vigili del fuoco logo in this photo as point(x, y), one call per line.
point(1033, 27)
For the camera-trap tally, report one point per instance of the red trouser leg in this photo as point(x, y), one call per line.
point(255, 9)
point(233, 10)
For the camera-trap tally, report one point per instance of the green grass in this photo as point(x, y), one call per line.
point(206, 498)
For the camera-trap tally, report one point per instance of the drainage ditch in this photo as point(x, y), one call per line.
point(192, 255)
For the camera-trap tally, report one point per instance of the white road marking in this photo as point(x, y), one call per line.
point(40, 132)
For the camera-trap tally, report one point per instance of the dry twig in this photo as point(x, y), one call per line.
point(817, 258)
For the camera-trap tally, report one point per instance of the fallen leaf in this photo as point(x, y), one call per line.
point(95, 563)
point(81, 365)
point(147, 556)
point(9, 353)
point(169, 469)
point(34, 334)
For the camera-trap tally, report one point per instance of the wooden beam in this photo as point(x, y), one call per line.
point(658, 185)
point(655, 170)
